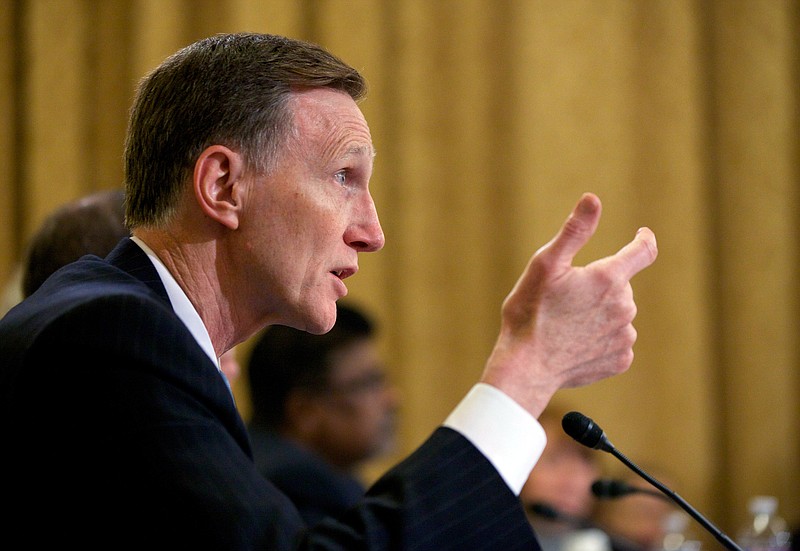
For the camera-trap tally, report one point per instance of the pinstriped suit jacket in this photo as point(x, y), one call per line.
point(118, 432)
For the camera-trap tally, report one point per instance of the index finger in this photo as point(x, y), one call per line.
point(638, 254)
point(576, 230)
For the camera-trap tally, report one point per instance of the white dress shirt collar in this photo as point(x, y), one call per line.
point(181, 304)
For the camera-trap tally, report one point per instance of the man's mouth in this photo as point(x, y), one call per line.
point(344, 273)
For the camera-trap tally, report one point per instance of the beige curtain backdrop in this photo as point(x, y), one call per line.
point(491, 117)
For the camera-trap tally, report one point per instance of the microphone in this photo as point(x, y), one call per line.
point(548, 512)
point(608, 488)
point(586, 432)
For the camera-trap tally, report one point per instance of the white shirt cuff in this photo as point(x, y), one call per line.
point(510, 437)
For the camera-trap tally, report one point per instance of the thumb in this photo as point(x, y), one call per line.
point(576, 231)
point(636, 255)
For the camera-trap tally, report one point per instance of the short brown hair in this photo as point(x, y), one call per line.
point(93, 224)
point(228, 89)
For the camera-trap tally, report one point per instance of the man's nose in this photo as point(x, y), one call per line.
point(366, 233)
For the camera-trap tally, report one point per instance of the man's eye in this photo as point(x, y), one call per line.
point(341, 177)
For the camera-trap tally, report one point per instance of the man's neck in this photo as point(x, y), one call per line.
point(190, 267)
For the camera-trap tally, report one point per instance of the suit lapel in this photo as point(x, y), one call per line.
point(129, 257)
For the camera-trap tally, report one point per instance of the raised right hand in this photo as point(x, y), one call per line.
point(563, 325)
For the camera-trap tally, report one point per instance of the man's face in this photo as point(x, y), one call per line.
point(309, 218)
point(357, 411)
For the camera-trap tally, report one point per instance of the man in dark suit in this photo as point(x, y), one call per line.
point(247, 164)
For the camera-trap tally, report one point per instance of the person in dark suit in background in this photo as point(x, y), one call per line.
point(321, 406)
point(247, 163)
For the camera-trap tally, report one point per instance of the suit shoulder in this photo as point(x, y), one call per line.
point(87, 298)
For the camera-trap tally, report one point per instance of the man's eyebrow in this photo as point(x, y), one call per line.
point(359, 150)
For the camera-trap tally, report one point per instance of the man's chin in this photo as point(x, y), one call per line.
point(320, 322)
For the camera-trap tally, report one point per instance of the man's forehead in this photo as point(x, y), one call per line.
point(327, 103)
point(334, 117)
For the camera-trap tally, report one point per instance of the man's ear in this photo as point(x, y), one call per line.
point(218, 184)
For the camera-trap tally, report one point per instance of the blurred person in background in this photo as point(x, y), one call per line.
point(642, 518)
point(557, 495)
point(321, 407)
point(92, 224)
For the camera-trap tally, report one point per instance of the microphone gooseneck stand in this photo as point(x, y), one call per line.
point(586, 432)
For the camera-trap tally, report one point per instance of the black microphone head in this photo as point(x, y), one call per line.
point(606, 488)
point(544, 510)
point(548, 512)
point(584, 430)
